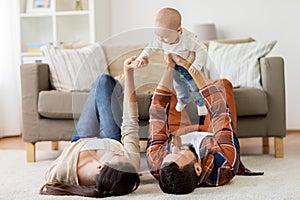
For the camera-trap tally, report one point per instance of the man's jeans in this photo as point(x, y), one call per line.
point(101, 115)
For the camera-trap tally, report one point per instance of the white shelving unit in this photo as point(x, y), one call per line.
point(61, 24)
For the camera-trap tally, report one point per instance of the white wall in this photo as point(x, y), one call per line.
point(262, 20)
point(10, 104)
point(102, 22)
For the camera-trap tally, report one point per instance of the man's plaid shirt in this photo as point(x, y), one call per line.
point(220, 153)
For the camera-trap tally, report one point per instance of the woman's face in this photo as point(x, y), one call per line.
point(113, 159)
point(87, 173)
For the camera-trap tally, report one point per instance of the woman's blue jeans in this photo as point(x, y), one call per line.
point(101, 115)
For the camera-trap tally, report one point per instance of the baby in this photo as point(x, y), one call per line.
point(173, 39)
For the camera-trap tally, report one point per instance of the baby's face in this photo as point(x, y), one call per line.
point(167, 36)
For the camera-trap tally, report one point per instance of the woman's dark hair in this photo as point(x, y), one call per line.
point(174, 180)
point(113, 180)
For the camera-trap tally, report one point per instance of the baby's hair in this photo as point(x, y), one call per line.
point(169, 17)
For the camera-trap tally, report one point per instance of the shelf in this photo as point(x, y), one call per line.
point(60, 13)
point(62, 24)
point(71, 13)
point(29, 15)
point(26, 54)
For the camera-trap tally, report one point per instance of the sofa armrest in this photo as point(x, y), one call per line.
point(273, 82)
point(34, 78)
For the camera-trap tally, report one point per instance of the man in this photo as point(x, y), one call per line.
point(183, 156)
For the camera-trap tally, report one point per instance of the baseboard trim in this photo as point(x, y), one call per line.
point(8, 135)
point(293, 131)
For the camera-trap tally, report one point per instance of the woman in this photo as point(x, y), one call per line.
point(102, 160)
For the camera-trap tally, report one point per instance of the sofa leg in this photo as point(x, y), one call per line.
point(54, 145)
point(265, 146)
point(30, 152)
point(279, 153)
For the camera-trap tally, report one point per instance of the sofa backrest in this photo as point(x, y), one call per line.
point(233, 41)
point(147, 78)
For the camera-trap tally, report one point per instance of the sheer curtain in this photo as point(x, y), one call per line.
point(10, 101)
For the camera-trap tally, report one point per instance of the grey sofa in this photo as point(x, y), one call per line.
point(50, 115)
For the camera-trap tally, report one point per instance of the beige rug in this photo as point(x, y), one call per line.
point(21, 180)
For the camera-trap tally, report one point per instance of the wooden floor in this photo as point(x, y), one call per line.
point(248, 145)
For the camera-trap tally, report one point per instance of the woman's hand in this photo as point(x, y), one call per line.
point(129, 88)
point(129, 64)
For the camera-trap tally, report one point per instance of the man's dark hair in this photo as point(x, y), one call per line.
point(174, 180)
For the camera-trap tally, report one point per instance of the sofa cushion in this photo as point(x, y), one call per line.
point(68, 105)
point(250, 101)
point(75, 69)
point(61, 105)
point(237, 62)
point(230, 41)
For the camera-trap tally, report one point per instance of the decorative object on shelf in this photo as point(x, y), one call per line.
point(39, 6)
point(34, 47)
point(33, 59)
point(205, 31)
point(78, 5)
point(53, 22)
point(73, 45)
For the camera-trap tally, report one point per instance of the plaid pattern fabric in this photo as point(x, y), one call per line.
point(220, 153)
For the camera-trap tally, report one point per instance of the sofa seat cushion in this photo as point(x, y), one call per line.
point(68, 105)
point(250, 101)
point(61, 105)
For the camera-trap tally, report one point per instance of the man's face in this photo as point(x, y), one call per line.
point(182, 155)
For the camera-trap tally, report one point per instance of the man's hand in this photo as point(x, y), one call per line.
point(199, 78)
point(175, 140)
point(193, 70)
point(186, 63)
point(169, 60)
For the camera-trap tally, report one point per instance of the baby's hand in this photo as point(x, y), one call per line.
point(143, 62)
point(135, 64)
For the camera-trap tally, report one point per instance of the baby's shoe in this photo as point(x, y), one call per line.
point(179, 107)
point(202, 110)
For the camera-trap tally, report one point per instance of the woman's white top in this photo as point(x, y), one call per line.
point(64, 168)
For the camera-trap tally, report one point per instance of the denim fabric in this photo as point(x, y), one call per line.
point(183, 84)
point(101, 115)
